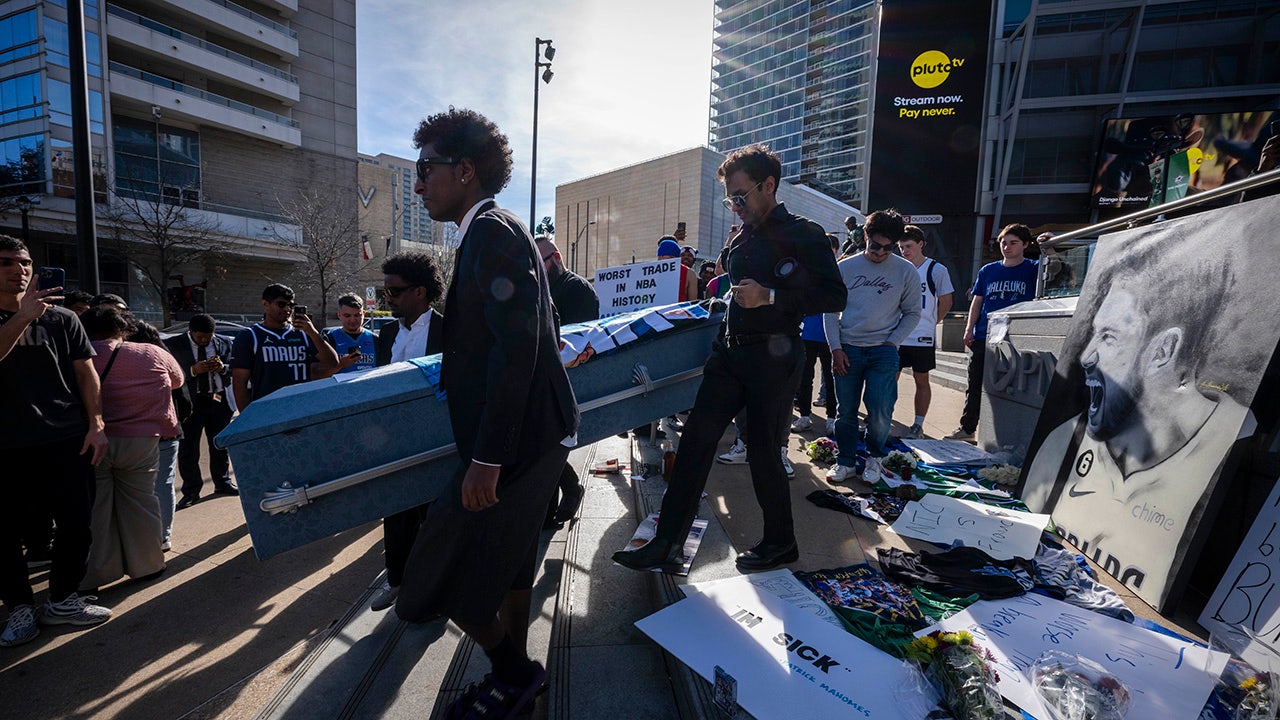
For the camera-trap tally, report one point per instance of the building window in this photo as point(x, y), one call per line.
point(20, 98)
point(64, 176)
point(57, 44)
point(157, 162)
point(60, 106)
point(22, 165)
point(19, 37)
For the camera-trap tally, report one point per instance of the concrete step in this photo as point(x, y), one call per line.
point(952, 370)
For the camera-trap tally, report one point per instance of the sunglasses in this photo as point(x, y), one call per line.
point(740, 200)
point(284, 304)
point(875, 246)
point(394, 292)
point(425, 163)
point(547, 258)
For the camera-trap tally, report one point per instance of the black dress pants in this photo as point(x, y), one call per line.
point(208, 417)
point(763, 379)
point(973, 392)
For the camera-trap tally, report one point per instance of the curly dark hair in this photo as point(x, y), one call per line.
point(468, 134)
point(106, 322)
point(757, 161)
point(418, 269)
point(886, 223)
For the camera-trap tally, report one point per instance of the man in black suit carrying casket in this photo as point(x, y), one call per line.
point(206, 359)
point(512, 409)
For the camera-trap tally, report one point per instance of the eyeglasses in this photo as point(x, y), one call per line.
point(548, 258)
point(284, 304)
point(394, 292)
point(424, 165)
point(740, 200)
point(875, 246)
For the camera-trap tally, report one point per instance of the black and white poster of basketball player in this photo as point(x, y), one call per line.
point(1172, 333)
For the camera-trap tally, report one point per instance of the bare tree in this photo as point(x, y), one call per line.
point(172, 232)
point(331, 241)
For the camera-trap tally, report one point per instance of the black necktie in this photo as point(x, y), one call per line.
point(204, 384)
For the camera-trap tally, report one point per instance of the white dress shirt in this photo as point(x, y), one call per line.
point(411, 342)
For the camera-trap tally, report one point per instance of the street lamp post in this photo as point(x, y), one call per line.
point(545, 76)
point(574, 250)
point(24, 206)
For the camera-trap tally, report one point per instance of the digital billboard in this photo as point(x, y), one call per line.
point(929, 106)
point(1148, 161)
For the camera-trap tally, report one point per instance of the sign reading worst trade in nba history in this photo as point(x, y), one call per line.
point(631, 287)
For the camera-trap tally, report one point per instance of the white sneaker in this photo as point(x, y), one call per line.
point(737, 454)
point(831, 427)
point(840, 473)
point(786, 465)
point(801, 424)
point(915, 432)
point(21, 627)
point(75, 610)
point(960, 434)
point(166, 546)
point(384, 598)
point(872, 471)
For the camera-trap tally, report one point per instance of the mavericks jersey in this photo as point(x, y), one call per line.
point(273, 359)
point(342, 342)
point(926, 331)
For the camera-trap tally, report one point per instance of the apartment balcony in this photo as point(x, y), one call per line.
point(127, 28)
point(171, 99)
point(242, 23)
point(287, 8)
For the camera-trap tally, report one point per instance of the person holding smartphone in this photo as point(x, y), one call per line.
point(354, 344)
point(284, 349)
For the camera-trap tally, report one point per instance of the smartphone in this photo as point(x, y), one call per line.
point(299, 309)
point(51, 277)
point(355, 350)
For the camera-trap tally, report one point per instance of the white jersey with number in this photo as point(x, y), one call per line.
point(926, 331)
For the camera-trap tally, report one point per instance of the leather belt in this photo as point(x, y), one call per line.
point(745, 339)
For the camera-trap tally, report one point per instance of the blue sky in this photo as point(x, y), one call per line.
point(632, 80)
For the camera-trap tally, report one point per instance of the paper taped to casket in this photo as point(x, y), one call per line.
point(788, 663)
point(315, 459)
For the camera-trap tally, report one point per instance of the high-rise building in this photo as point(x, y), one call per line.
point(209, 120)
point(797, 75)
point(392, 217)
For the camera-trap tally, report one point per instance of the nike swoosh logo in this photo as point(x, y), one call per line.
point(1071, 491)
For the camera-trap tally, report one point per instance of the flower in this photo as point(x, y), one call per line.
point(1001, 474)
point(897, 461)
point(821, 450)
point(962, 673)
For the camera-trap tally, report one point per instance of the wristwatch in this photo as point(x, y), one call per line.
point(771, 295)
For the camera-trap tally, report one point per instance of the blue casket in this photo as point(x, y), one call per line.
point(315, 459)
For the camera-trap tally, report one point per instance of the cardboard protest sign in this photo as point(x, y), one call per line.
point(788, 663)
point(782, 584)
point(1166, 678)
point(948, 452)
point(1153, 386)
point(631, 287)
point(1002, 534)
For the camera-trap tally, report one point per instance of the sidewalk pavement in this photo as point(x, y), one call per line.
point(220, 633)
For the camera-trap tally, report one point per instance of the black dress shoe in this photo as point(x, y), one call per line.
point(231, 490)
point(569, 504)
point(767, 556)
point(657, 553)
point(187, 501)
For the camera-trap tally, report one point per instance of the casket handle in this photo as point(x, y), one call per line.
point(640, 376)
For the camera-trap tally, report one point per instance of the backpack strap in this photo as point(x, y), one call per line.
point(928, 278)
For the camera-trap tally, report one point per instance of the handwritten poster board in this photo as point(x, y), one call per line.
point(1167, 678)
point(1247, 600)
point(1130, 445)
point(1003, 534)
point(788, 663)
point(631, 287)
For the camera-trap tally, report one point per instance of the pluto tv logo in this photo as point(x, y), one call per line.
point(931, 68)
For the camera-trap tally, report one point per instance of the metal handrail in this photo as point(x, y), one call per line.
point(1088, 234)
point(216, 49)
point(287, 498)
point(161, 81)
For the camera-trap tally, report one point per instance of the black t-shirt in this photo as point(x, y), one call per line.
point(274, 359)
point(41, 397)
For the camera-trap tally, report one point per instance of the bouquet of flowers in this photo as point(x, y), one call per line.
point(822, 450)
point(1076, 688)
point(1247, 693)
point(1001, 474)
point(900, 463)
point(962, 673)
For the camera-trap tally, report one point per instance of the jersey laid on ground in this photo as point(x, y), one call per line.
point(342, 342)
point(926, 331)
point(274, 360)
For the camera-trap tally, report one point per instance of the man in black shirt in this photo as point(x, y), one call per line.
point(573, 296)
point(781, 269)
point(52, 435)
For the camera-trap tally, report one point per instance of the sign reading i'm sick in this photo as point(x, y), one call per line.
point(641, 285)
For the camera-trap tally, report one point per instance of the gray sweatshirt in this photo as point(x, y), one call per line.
point(884, 303)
